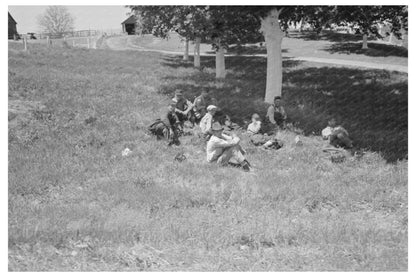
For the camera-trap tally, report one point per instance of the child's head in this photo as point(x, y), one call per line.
point(212, 109)
point(205, 92)
point(255, 117)
point(171, 106)
point(277, 100)
point(178, 94)
point(332, 122)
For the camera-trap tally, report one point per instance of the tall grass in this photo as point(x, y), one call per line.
point(76, 204)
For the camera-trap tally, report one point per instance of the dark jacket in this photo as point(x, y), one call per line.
point(170, 119)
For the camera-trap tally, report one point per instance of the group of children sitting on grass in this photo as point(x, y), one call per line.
point(224, 148)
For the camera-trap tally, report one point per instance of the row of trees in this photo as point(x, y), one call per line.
point(225, 25)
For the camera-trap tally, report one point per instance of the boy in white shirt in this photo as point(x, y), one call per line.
point(255, 125)
point(254, 131)
point(207, 120)
point(225, 149)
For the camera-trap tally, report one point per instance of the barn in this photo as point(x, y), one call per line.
point(12, 27)
point(129, 25)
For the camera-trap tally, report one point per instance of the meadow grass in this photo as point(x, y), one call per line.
point(76, 204)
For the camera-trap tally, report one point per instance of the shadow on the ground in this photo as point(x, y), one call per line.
point(327, 35)
point(247, 49)
point(371, 104)
point(374, 49)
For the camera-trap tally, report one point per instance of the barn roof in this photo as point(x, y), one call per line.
point(11, 17)
point(131, 20)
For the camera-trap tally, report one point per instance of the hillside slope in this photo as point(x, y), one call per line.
point(76, 204)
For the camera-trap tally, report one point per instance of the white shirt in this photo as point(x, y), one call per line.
point(206, 123)
point(216, 145)
point(330, 130)
point(272, 109)
point(254, 127)
point(327, 132)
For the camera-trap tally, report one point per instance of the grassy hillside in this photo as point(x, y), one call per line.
point(75, 203)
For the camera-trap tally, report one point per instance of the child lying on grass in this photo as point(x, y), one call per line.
point(336, 135)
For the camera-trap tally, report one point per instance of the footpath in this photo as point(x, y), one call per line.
point(124, 43)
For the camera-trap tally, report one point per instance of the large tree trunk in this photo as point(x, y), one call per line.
point(186, 53)
point(273, 35)
point(197, 57)
point(301, 23)
point(391, 37)
point(220, 63)
point(365, 46)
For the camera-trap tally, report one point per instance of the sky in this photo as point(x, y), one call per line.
point(86, 17)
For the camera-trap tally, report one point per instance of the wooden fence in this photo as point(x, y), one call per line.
point(83, 38)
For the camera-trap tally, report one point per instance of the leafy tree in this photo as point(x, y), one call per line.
point(230, 25)
point(318, 17)
point(367, 18)
point(273, 21)
point(188, 21)
point(191, 22)
point(396, 17)
point(56, 20)
point(218, 25)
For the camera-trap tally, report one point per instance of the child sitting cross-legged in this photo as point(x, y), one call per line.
point(254, 131)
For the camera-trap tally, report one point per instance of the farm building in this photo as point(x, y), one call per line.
point(12, 27)
point(129, 25)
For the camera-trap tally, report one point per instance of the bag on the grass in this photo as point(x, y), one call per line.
point(159, 129)
point(258, 139)
point(274, 144)
point(266, 141)
point(153, 127)
point(180, 157)
point(338, 158)
point(337, 155)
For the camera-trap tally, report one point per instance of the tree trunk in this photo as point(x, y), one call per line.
point(301, 25)
point(273, 35)
point(365, 46)
point(186, 53)
point(220, 63)
point(197, 57)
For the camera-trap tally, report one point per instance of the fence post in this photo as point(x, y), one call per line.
point(47, 41)
point(25, 43)
point(88, 42)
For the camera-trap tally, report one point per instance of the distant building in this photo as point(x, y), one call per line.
point(129, 25)
point(12, 27)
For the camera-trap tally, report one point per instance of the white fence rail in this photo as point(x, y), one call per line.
point(83, 38)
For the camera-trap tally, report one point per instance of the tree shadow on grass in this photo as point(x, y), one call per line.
point(374, 49)
point(248, 49)
point(371, 104)
point(328, 36)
